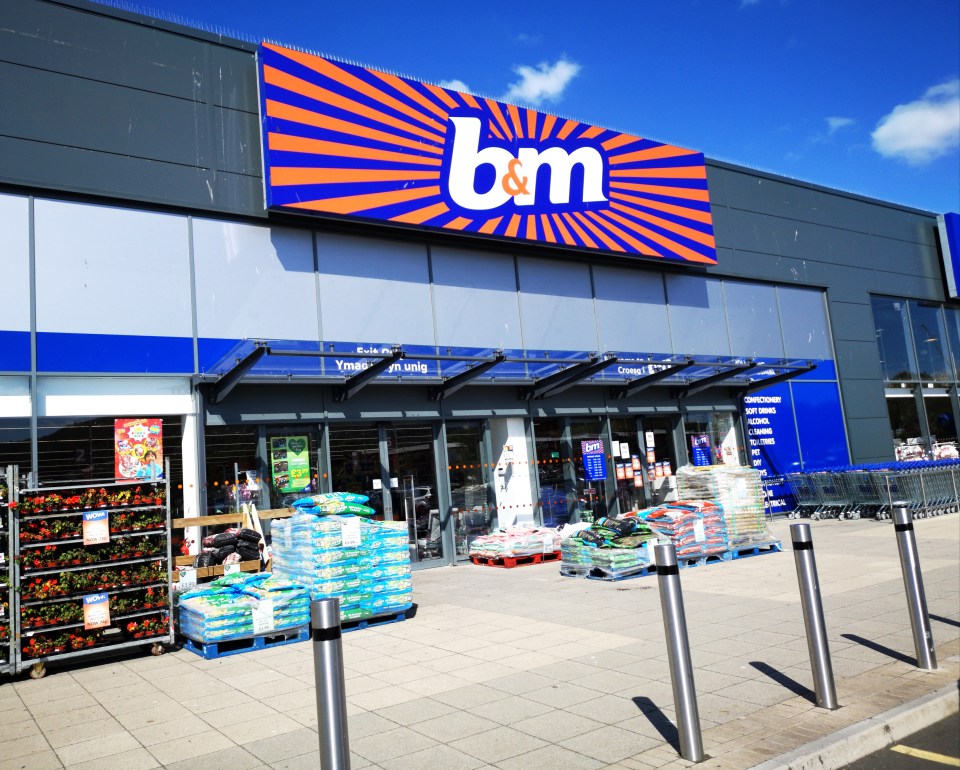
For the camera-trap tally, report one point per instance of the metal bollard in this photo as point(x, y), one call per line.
point(331, 691)
point(678, 651)
point(913, 583)
point(813, 622)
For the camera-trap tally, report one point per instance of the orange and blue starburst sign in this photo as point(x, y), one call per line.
point(343, 140)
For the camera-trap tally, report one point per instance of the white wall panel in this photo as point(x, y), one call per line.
point(105, 270)
point(556, 306)
point(374, 290)
point(14, 264)
point(697, 320)
point(97, 396)
point(254, 281)
point(631, 310)
point(15, 397)
point(475, 298)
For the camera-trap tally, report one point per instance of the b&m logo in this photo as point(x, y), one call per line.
point(344, 140)
point(511, 172)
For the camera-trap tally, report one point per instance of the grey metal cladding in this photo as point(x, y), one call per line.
point(868, 437)
point(908, 257)
point(119, 120)
point(89, 45)
point(753, 319)
point(233, 82)
point(847, 284)
point(852, 321)
point(898, 284)
point(863, 399)
point(858, 360)
point(766, 196)
point(238, 150)
point(56, 168)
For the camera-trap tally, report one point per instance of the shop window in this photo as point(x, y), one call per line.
point(83, 449)
point(897, 360)
point(929, 339)
point(952, 316)
point(908, 441)
point(15, 444)
point(292, 453)
point(229, 450)
point(942, 426)
point(628, 465)
point(711, 438)
point(555, 500)
point(590, 477)
point(355, 463)
point(660, 458)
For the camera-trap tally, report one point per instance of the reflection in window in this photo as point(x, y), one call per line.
point(904, 424)
point(953, 336)
point(940, 420)
point(928, 337)
point(890, 319)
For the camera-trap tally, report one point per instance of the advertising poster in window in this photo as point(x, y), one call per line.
point(700, 448)
point(138, 448)
point(290, 463)
point(594, 464)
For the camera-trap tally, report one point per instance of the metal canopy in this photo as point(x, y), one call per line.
point(360, 380)
point(565, 378)
point(635, 386)
point(222, 387)
point(453, 384)
point(703, 383)
point(764, 382)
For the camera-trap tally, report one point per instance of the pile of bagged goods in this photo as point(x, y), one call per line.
point(240, 605)
point(515, 541)
point(232, 546)
point(333, 549)
point(722, 511)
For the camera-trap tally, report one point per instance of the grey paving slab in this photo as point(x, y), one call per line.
point(390, 744)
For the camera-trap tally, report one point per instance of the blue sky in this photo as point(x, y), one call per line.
point(855, 95)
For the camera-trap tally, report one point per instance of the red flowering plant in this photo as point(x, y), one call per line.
point(149, 626)
point(42, 588)
point(55, 614)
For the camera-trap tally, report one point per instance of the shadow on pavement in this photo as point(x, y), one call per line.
point(660, 721)
point(785, 681)
point(948, 621)
point(880, 648)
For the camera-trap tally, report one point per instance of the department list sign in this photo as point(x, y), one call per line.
point(594, 464)
point(769, 418)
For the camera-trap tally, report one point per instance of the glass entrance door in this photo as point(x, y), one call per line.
point(355, 463)
point(471, 497)
point(412, 472)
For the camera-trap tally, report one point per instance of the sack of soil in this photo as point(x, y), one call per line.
point(249, 535)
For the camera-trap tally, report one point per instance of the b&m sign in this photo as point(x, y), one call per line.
point(343, 140)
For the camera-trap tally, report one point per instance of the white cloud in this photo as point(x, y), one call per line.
point(456, 85)
point(543, 83)
point(923, 130)
point(835, 124)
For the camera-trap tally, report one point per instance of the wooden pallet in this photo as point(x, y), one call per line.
point(212, 650)
point(509, 562)
point(376, 620)
point(757, 550)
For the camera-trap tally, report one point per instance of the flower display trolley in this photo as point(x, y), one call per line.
point(92, 570)
point(6, 574)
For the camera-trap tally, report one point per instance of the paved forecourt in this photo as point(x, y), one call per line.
point(523, 668)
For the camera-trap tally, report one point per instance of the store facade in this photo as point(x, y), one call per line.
point(464, 372)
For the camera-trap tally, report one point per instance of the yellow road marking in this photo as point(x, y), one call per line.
point(930, 756)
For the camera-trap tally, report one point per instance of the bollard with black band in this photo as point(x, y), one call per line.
point(913, 583)
point(331, 691)
point(678, 652)
point(819, 649)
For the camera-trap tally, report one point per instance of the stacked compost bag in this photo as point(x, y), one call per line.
point(232, 546)
point(331, 548)
point(738, 490)
point(240, 606)
point(515, 541)
point(695, 527)
point(609, 548)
